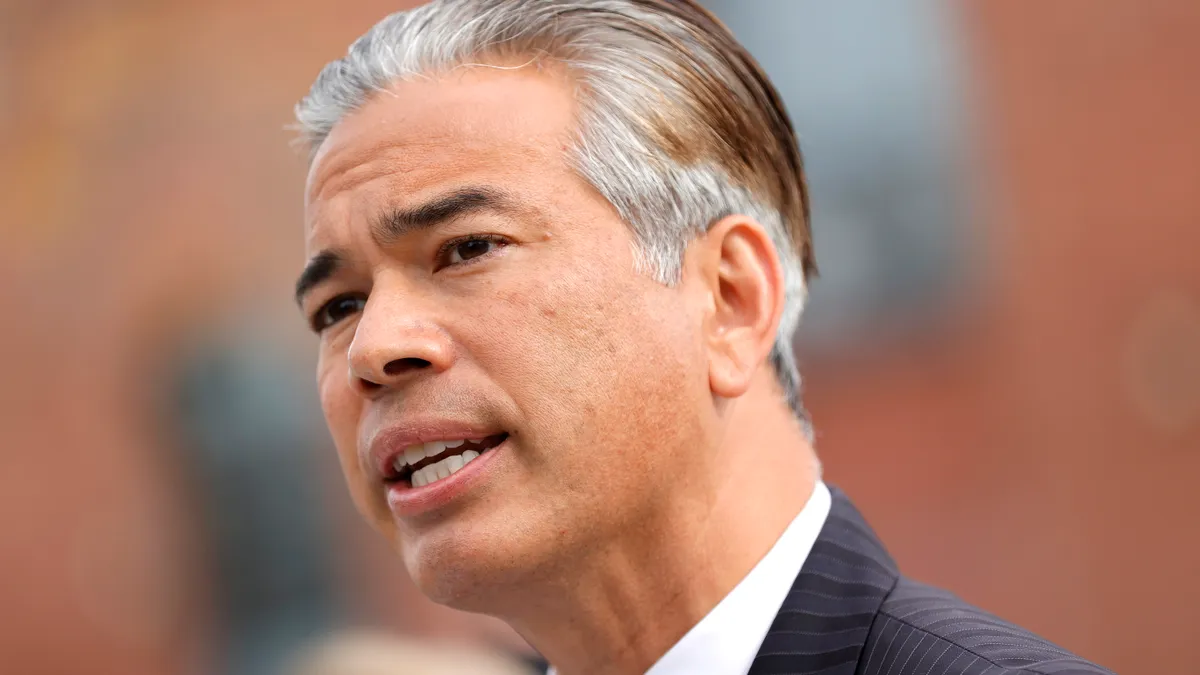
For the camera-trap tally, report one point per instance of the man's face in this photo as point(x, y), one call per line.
point(473, 287)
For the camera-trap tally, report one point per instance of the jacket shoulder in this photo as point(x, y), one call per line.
point(922, 629)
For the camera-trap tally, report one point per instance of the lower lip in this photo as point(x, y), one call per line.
point(405, 500)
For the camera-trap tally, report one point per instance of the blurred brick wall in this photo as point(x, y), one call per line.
point(147, 188)
point(1058, 430)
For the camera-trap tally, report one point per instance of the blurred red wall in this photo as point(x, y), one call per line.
point(1054, 429)
point(1058, 430)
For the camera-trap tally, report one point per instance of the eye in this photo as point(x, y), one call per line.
point(336, 310)
point(467, 249)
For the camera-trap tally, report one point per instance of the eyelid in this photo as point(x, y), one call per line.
point(500, 240)
point(314, 318)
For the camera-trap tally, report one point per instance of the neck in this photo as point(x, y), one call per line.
point(620, 607)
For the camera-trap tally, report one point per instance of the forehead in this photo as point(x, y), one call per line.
point(506, 127)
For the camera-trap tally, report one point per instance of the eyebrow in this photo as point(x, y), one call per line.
point(322, 266)
point(398, 222)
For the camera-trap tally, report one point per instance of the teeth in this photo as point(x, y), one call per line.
point(454, 444)
point(414, 454)
point(434, 448)
point(442, 469)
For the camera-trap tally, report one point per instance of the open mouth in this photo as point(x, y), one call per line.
point(425, 463)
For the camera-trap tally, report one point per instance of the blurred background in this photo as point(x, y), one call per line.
point(1003, 350)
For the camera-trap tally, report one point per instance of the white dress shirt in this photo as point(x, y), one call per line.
point(727, 639)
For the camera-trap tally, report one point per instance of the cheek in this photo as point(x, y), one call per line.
point(563, 325)
point(601, 350)
point(342, 409)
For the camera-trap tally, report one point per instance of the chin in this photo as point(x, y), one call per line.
point(470, 566)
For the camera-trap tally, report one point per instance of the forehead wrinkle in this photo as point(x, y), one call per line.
point(350, 166)
point(444, 128)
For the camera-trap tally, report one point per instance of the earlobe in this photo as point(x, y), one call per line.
point(745, 281)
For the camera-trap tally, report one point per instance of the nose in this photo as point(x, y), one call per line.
point(394, 345)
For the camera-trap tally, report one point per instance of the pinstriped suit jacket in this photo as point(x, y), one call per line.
point(851, 613)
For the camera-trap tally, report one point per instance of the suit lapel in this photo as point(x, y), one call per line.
point(826, 617)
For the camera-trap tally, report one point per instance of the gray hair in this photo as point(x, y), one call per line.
point(678, 126)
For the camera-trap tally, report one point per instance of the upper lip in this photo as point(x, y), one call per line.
point(391, 441)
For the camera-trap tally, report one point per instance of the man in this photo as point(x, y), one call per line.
point(558, 250)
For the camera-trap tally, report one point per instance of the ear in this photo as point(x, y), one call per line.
point(743, 279)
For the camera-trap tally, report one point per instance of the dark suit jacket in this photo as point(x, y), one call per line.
point(850, 612)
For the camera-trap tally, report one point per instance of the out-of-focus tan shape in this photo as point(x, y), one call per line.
point(367, 653)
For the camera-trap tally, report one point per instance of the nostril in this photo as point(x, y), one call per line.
point(402, 366)
point(369, 386)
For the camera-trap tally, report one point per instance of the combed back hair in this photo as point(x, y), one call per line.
point(677, 126)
